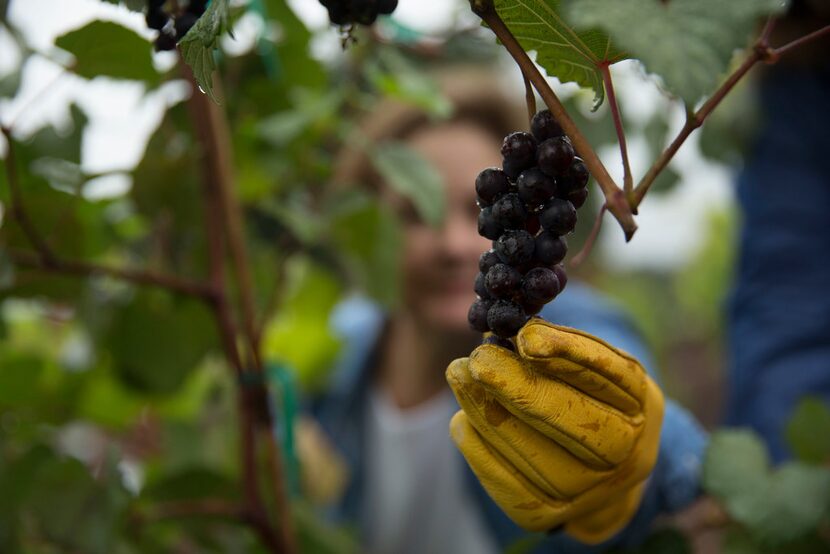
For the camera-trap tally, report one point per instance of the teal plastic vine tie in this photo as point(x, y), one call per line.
point(283, 387)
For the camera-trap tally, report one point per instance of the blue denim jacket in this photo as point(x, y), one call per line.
point(779, 313)
point(674, 483)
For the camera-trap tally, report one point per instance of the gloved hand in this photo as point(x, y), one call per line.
point(563, 433)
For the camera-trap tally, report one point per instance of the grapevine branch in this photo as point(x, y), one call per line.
point(614, 196)
point(223, 215)
point(530, 97)
point(78, 268)
point(44, 259)
point(761, 51)
point(628, 180)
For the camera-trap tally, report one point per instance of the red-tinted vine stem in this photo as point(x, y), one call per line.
point(172, 283)
point(614, 196)
point(781, 50)
point(628, 179)
point(223, 215)
point(580, 256)
point(530, 98)
point(693, 121)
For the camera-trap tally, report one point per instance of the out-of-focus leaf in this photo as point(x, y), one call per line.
point(808, 432)
point(299, 335)
point(368, 238)
point(201, 40)
point(729, 130)
point(777, 507)
point(736, 470)
point(73, 510)
point(413, 177)
point(19, 376)
point(565, 53)
point(689, 43)
point(103, 48)
point(394, 76)
point(156, 341)
point(189, 483)
point(293, 60)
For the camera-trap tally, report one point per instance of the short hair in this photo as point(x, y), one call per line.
point(476, 96)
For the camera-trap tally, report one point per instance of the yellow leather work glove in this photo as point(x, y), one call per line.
point(563, 433)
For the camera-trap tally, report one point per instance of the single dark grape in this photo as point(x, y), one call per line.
point(554, 156)
point(530, 308)
point(558, 216)
point(502, 281)
point(544, 126)
point(515, 247)
point(575, 178)
point(519, 148)
point(540, 285)
point(505, 318)
point(365, 15)
point(535, 187)
point(386, 7)
point(549, 249)
point(487, 260)
point(532, 224)
point(165, 41)
point(512, 169)
point(339, 13)
point(156, 19)
point(480, 287)
point(490, 184)
point(477, 315)
point(578, 197)
point(487, 225)
point(197, 7)
point(509, 212)
point(561, 275)
point(184, 23)
point(498, 341)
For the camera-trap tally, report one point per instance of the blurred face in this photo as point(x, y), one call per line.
point(440, 264)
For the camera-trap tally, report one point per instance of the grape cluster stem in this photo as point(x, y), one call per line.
point(623, 203)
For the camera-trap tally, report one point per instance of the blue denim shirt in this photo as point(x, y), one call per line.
point(674, 482)
point(779, 312)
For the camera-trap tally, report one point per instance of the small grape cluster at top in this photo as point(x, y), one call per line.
point(364, 12)
point(158, 18)
point(527, 208)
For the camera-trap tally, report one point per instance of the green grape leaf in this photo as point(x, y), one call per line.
point(156, 341)
point(103, 48)
point(776, 506)
point(808, 432)
point(414, 177)
point(565, 53)
point(198, 44)
point(73, 509)
point(368, 238)
point(689, 43)
point(735, 470)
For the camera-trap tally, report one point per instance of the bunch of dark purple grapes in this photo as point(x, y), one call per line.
point(364, 12)
point(157, 18)
point(527, 208)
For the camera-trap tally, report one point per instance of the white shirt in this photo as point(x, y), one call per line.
point(415, 485)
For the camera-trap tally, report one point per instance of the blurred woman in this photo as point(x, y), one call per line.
point(388, 406)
